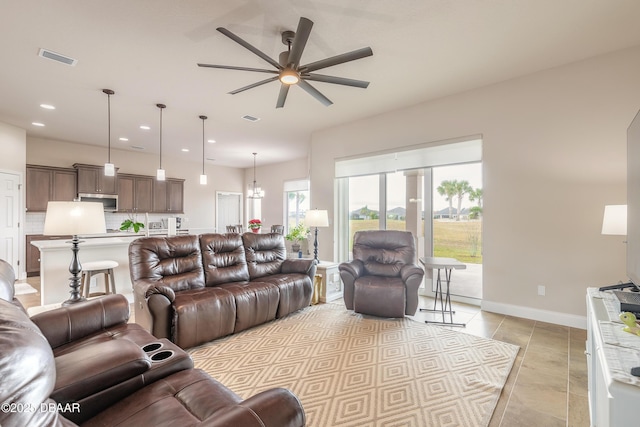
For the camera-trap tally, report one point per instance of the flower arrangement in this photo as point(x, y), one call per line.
point(255, 224)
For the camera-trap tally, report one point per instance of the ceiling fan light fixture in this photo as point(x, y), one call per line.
point(289, 76)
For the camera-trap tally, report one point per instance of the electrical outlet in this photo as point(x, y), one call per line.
point(541, 290)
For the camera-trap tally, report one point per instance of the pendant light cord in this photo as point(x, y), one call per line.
point(109, 123)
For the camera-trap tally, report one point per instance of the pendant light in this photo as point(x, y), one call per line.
point(257, 191)
point(160, 175)
point(203, 177)
point(109, 168)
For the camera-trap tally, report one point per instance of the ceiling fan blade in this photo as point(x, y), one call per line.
point(335, 60)
point(252, 48)
point(256, 84)
point(282, 96)
point(336, 80)
point(300, 41)
point(315, 93)
point(231, 67)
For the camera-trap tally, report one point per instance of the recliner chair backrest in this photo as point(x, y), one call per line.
point(384, 252)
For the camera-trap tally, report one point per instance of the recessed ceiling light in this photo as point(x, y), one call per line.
point(47, 107)
point(122, 138)
point(144, 127)
point(185, 150)
point(211, 141)
point(37, 124)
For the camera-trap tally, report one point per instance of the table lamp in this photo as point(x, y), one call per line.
point(74, 218)
point(316, 218)
point(614, 221)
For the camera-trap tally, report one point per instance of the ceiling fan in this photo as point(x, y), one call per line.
point(288, 69)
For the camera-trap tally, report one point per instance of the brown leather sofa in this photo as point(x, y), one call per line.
point(193, 289)
point(85, 365)
point(383, 277)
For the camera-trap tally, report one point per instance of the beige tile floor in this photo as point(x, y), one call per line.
point(548, 383)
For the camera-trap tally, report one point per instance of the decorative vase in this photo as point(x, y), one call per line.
point(255, 230)
point(295, 247)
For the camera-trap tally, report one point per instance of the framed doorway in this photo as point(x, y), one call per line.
point(229, 210)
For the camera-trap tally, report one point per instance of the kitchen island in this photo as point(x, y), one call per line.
point(55, 257)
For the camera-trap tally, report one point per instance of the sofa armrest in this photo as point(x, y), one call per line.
point(353, 268)
point(72, 322)
point(161, 290)
point(298, 265)
point(271, 408)
point(92, 369)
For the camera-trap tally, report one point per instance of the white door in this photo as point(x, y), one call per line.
point(229, 209)
point(10, 219)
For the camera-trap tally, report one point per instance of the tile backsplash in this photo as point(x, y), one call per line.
point(34, 223)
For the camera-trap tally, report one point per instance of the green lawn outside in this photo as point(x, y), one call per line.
point(461, 240)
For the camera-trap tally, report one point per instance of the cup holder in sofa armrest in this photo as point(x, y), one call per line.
point(152, 347)
point(161, 355)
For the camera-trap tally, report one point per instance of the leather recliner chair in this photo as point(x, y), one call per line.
point(383, 277)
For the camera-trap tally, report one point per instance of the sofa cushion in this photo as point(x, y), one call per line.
point(223, 258)
point(265, 253)
point(201, 315)
point(256, 303)
point(174, 262)
point(296, 290)
point(191, 398)
point(367, 300)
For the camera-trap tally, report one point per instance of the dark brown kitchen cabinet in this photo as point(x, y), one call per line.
point(168, 196)
point(47, 183)
point(135, 193)
point(91, 180)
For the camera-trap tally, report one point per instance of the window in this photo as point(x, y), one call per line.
point(296, 198)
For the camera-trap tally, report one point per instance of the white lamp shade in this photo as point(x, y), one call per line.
point(109, 169)
point(73, 218)
point(203, 179)
point(316, 218)
point(160, 176)
point(614, 221)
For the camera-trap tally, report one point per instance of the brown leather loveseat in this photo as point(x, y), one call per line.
point(193, 289)
point(85, 365)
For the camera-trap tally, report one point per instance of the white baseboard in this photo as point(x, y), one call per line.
point(555, 317)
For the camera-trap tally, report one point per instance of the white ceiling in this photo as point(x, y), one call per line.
point(147, 50)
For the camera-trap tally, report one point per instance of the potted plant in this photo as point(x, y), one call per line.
point(255, 225)
point(296, 235)
point(131, 223)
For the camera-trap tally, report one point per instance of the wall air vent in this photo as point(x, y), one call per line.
point(250, 118)
point(45, 53)
point(137, 147)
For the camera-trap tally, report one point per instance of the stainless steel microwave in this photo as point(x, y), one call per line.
point(109, 201)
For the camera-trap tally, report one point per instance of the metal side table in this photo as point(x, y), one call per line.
point(446, 264)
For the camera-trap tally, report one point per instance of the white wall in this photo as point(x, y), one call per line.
point(554, 154)
point(199, 200)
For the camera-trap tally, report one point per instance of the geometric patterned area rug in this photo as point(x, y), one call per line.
point(353, 370)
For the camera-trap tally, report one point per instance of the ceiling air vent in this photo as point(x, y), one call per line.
point(44, 53)
point(250, 118)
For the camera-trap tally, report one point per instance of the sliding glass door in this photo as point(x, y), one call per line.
point(439, 203)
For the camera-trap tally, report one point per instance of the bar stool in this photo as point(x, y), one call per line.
point(90, 269)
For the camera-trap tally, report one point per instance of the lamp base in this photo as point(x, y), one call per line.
point(75, 269)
